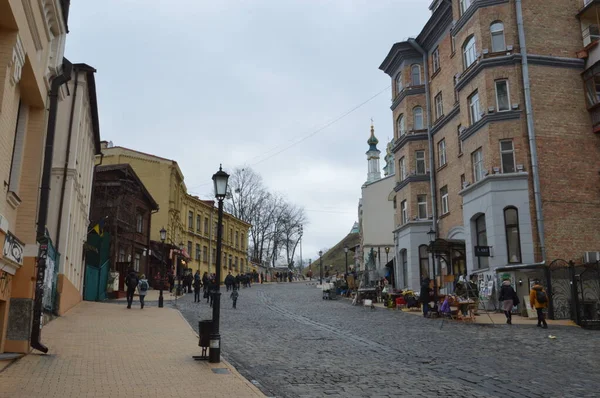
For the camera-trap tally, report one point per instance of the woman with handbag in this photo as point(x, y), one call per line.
point(509, 298)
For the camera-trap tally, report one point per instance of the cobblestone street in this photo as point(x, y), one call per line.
point(291, 343)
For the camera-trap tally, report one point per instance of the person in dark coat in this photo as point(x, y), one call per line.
point(229, 281)
point(205, 281)
point(426, 295)
point(214, 289)
point(197, 284)
point(131, 281)
point(509, 298)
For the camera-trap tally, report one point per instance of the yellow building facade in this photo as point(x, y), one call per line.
point(186, 218)
point(32, 39)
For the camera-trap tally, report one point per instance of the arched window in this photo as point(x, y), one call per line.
point(399, 86)
point(513, 236)
point(497, 32)
point(415, 75)
point(481, 235)
point(401, 126)
point(404, 261)
point(418, 118)
point(469, 52)
point(423, 262)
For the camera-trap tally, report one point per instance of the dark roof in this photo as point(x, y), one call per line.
point(91, 81)
point(126, 169)
point(398, 53)
point(64, 5)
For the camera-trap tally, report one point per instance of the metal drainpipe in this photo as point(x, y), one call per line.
point(420, 49)
point(531, 131)
point(66, 167)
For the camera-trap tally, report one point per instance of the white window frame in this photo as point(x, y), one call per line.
point(418, 126)
point(401, 125)
point(198, 250)
point(435, 59)
point(460, 143)
point(439, 105)
point(137, 260)
point(402, 168)
point(404, 211)
point(417, 159)
point(422, 205)
point(139, 223)
point(442, 152)
point(477, 162)
point(497, 30)
point(511, 152)
point(412, 75)
point(474, 108)
point(464, 5)
point(444, 202)
point(399, 86)
point(469, 52)
point(507, 108)
point(190, 220)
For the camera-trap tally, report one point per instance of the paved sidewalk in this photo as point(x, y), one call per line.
point(104, 350)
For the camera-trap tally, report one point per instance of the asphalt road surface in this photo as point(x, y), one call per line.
point(291, 343)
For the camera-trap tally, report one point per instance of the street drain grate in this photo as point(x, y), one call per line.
point(220, 371)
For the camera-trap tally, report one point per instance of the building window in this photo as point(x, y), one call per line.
point(464, 5)
point(502, 97)
point(418, 118)
point(401, 126)
point(423, 262)
point(404, 259)
point(189, 248)
point(214, 256)
point(469, 52)
point(399, 86)
point(477, 160)
point(402, 169)
point(444, 196)
point(474, 111)
point(480, 231)
point(592, 85)
point(420, 157)
point(404, 212)
point(422, 206)
point(497, 32)
point(17, 160)
point(453, 45)
point(435, 59)
point(462, 181)
point(415, 75)
point(442, 152)
point(191, 220)
point(137, 259)
point(237, 239)
point(121, 255)
point(236, 263)
point(394, 202)
point(513, 238)
point(460, 143)
point(439, 106)
point(206, 224)
point(230, 261)
point(139, 223)
point(197, 252)
point(198, 223)
point(507, 156)
point(231, 237)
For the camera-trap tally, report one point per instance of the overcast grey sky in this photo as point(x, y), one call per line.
point(232, 82)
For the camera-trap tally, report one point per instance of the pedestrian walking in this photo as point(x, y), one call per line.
point(426, 296)
point(538, 298)
point(205, 282)
point(214, 289)
point(509, 298)
point(171, 282)
point(197, 284)
point(143, 289)
point(131, 281)
point(229, 281)
point(234, 296)
point(262, 278)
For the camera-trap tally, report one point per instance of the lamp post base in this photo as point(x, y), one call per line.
point(160, 299)
point(214, 356)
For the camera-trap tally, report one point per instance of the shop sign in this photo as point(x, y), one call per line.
point(483, 251)
point(13, 249)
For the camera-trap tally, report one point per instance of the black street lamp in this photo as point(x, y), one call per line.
point(346, 275)
point(220, 181)
point(321, 267)
point(387, 251)
point(163, 237)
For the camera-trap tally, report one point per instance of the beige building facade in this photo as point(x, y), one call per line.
point(32, 39)
point(497, 158)
point(76, 145)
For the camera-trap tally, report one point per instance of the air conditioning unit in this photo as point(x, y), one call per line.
point(591, 257)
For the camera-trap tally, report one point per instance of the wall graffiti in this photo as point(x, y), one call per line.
point(13, 249)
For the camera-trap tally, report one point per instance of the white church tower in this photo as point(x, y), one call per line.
point(373, 157)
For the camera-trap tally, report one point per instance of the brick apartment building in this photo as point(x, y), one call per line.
point(495, 138)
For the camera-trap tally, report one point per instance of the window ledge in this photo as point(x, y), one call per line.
point(13, 199)
point(442, 166)
point(437, 72)
point(444, 215)
point(460, 154)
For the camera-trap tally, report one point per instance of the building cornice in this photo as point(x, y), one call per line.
point(411, 178)
point(488, 118)
point(400, 142)
point(476, 5)
point(399, 52)
point(413, 223)
point(445, 119)
point(492, 178)
point(560, 62)
point(406, 91)
point(436, 25)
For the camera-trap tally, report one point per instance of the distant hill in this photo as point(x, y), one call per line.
point(336, 256)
